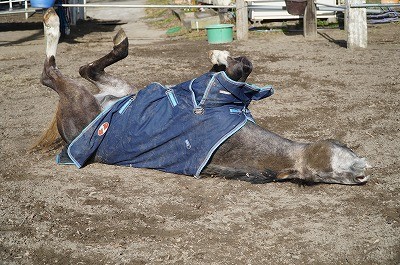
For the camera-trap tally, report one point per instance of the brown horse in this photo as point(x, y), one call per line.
point(273, 157)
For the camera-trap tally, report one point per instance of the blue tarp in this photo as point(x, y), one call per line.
point(388, 15)
point(172, 129)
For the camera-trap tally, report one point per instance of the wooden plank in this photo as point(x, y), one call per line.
point(356, 25)
point(310, 20)
point(242, 18)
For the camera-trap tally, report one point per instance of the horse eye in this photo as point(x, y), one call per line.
point(359, 165)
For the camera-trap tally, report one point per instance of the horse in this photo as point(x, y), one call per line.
point(251, 153)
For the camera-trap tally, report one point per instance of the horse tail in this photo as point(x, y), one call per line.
point(50, 138)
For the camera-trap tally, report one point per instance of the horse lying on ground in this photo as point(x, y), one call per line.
point(240, 148)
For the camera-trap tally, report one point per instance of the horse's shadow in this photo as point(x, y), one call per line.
point(82, 28)
point(340, 43)
point(90, 25)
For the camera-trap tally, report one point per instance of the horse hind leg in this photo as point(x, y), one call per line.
point(51, 26)
point(50, 138)
point(106, 83)
point(77, 106)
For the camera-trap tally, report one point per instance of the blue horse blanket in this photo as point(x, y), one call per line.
point(172, 129)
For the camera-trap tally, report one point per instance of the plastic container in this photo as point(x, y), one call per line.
point(219, 33)
point(42, 3)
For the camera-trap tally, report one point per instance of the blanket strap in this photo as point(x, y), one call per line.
point(199, 107)
point(171, 96)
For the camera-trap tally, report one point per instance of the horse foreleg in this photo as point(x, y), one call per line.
point(106, 83)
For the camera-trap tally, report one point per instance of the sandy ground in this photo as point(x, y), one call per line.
point(131, 18)
point(103, 214)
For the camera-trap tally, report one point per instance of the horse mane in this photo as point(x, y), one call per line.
point(50, 138)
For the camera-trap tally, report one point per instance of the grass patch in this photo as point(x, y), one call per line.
point(164, 18)
point(324, 23)
point(161, 18)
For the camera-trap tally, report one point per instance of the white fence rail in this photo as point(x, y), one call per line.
point(355, 18)
point(11, 9)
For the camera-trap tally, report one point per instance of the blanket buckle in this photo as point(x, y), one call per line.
point(198, 110)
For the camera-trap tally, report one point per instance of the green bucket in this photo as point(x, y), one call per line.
point(219, 33)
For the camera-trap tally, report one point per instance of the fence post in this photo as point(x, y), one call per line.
point(310, 20)
point(26, 7)
point(356, 25)
point(242, 18)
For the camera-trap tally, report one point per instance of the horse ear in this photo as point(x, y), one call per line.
point(360, 164)
point(288, 174)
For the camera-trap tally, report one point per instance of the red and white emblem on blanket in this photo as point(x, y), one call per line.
point(103, 128)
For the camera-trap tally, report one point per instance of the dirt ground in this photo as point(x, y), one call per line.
point(104, 214)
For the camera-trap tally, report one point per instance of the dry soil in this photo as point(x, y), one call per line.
point(104, 214)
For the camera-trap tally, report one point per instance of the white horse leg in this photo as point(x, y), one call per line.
point(51, 25)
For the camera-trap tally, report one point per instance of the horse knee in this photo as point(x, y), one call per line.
point(46, 77)
point(95, 70)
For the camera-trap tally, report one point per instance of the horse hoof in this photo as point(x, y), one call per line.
point(50, 18)
point(121, 45)
point(119, 37)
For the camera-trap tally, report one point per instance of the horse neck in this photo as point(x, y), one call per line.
point(274, 151)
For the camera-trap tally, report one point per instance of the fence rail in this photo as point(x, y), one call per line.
point(358, 18)
point(26, 9)
point(144, 6)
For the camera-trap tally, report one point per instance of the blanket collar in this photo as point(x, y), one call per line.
point(244, 92)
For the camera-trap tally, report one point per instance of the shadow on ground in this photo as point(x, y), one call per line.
point(85, 27)
point(35, 25)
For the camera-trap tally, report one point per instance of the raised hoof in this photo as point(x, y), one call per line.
point(50, 18)
point(121, 45)
point(119, 37)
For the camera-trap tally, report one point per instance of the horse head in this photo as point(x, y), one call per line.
point(328, 161)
